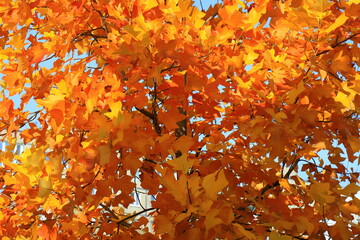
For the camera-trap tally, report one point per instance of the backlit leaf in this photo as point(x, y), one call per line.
point(338, 22)
point(171, 120)
point(320, 192)
point(214, 183)
point(45, 187)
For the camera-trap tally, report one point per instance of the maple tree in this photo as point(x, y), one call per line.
point(220, 113)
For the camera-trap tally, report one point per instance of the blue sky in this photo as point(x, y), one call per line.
point(205, 3)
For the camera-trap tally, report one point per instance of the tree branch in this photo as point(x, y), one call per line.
point(267, 187)
point(328, 169)
point(337, 44)
point(83, 187)
point(172, 66)
point(137, 194)
point(146, 113)
point(123, 221)
point(112, 213)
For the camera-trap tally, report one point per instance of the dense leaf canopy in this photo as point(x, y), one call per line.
point(221, 114)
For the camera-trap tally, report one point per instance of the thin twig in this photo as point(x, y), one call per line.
point(83, 187)
point(337, 44)
point(122, 221)
point(328, 169)
point(292, 167)
point(267, 187)
point(188, 190)
point(137, 194)
point(202, 7)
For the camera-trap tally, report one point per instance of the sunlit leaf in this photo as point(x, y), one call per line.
point(338, 22)
point(321, 193)
point(171, 120)
point(45, 187)
point(214, 183)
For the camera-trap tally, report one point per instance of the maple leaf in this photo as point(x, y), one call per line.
point(236, 121)
point(214, 183)
point(320, 193)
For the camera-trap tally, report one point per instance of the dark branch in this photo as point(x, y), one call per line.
point(83, 187)
point(267, 187)
point(123, 221)
point(328, 169)
point(169, 68)
point(337, 44)
point(146, 113)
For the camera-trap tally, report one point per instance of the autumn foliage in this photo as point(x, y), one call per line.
point(218, 113)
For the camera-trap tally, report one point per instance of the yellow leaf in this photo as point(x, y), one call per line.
point(303, 224)
point(54, 166)
point(163, 225)
point(341, 62)
point(131, 30)
point(91, 103)
point(50, 34)
point(295, 92)
point(338, 22)
point(181, 163)
point(52, 202)
point(3, 56)
point(33, 159)
point(45, 187)
point(319, 146)
point(300, 18)
point(150, 4)
point(242, 84)
point(352, 188)
point(345, 99)
point(349, 100)
point(214, 183)
point(236, 61)
point(104, 155)
point(240, 230)
point(211, 219)
point(320, 192)
point(277, 236)
point(116, 112)
point(192, 234)
point(226, 214)
point(85, 144)
point(59, 138)
point(285, 184)
point(254, 15)
point(53, 102)
point(250, 57)
point(318, 8)
point(283, 224)
point(323, 73)
point(141, 22)
point(183, 144)
point(350, 208)
point(9, 180)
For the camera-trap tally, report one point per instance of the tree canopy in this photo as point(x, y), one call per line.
point(223, 115)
